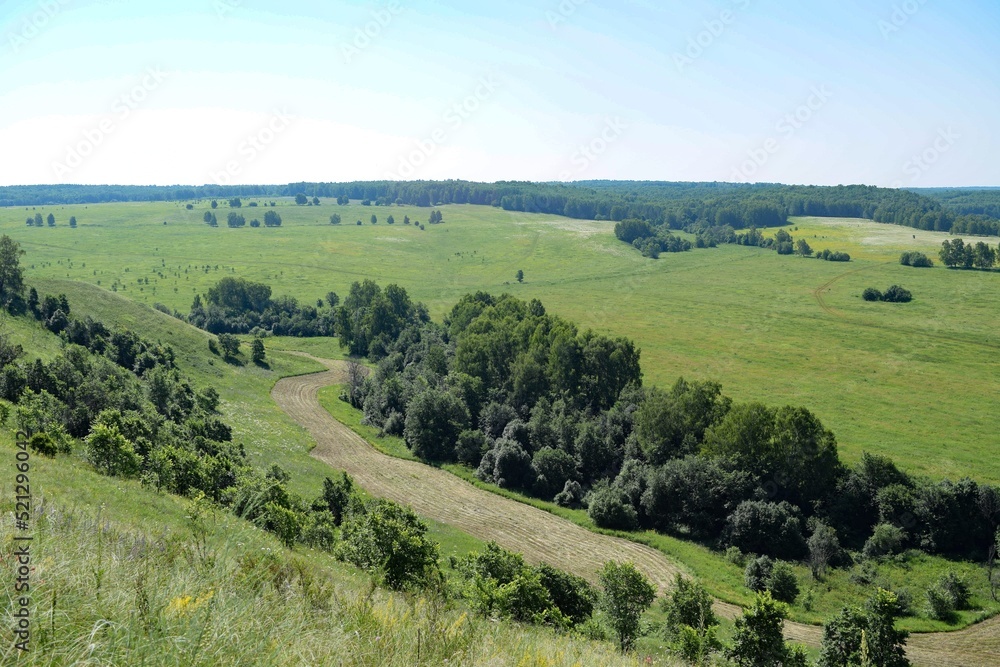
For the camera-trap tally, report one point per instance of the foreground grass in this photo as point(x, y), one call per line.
point(105, 593)
point(911, 574)
point(887, 378)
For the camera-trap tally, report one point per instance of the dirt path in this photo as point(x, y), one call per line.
point(540, 536)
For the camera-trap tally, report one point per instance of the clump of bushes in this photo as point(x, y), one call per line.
point(894, 294)
point(833, 256)
point(917, 259)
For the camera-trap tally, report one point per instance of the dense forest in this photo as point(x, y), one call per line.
point(533, 404)
point(676, 205)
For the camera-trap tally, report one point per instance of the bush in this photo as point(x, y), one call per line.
point(897, 294)
point(871, 294)
point(43, 444)
point(782, 583)
point(609, 509)
point(390, 540)
point(917, 259)
point(758, 573)
point(886, 540)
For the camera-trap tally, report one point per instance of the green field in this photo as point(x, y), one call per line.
point(911, 381)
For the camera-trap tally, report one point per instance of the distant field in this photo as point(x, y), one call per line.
point(913, 381)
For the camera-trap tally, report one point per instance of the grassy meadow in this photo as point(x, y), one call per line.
point(908, 380)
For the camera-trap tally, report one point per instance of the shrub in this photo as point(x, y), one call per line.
point(871, 294)
point(758, 573)
point(763, 527)
point(609, 509)
point(897, 294)
point(390, 540)
point(43, 444)
point(917, 259)
point(886, 540)
point(782, 583)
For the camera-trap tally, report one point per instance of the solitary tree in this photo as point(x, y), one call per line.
point(335, 219)
point(72, 221)
point(627, 594)
point(315, 201)
point(51, 220)
point(111, 453)
point(520, 276)
point(301, 199)
point(272, 219)
point(802, 248)
point(38, 220)
point(391, 220)
point(215, 204)
point(235, 202)
point(11, 273)
point(374, 219)
point(255, 223)
point(257, 352)
point(230, 345)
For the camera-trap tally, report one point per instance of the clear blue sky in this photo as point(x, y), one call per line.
point(247, 91)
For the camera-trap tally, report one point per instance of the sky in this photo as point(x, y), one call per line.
point(898, 93)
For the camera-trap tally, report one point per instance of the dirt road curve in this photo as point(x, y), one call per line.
point(541, 536)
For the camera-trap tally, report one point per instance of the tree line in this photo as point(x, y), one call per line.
point(676, 205)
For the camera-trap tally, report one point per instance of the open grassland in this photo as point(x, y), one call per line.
point(911, 381)
point(130, 584)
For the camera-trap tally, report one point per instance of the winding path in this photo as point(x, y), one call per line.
point(541, 536)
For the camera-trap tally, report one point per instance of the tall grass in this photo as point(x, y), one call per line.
point(106, 595)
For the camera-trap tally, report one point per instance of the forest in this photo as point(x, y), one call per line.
point(677, 205)
point(533, 404)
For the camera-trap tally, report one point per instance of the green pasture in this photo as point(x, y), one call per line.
point(913, 381)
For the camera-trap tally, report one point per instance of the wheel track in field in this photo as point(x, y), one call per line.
point(539, 535)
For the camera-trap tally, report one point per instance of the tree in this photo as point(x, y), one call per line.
point(758, 640)
point(38, 220)
point(315, 201)
point(897, 294)
point(626, 596)
point(691, 623)
point(230, 345)
point(391, 540)
point(802, 248)
point(824, 549)
point(520, 276)
point(406, 219)
point(255, 223)
point(111, 453)
point(301, 199)
point(235, 202)
point(257, 352)
point(434, 420)
point(335, 219)
point(374, 219)
point(234, 219)
point(272, 219)
point(51, 220)
point(11, 273)
point(390, 220)
point(865, 636)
